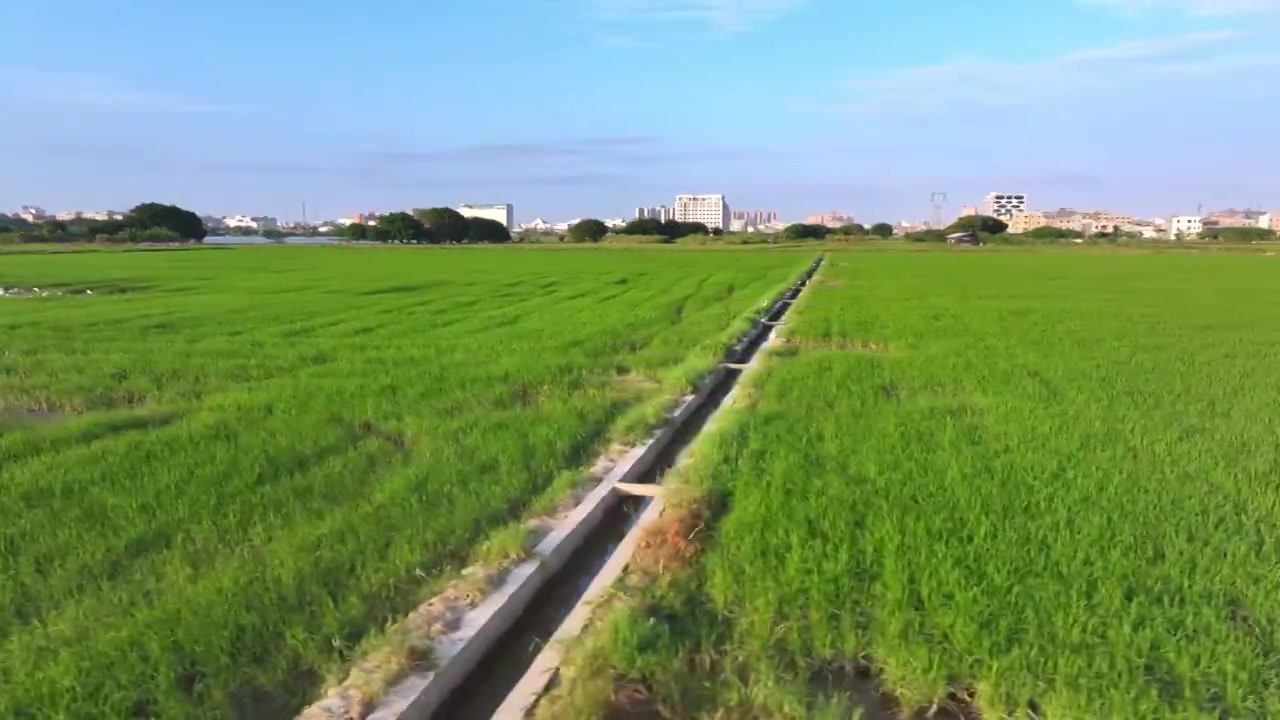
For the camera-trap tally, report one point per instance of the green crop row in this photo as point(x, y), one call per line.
point(1020, 483)
point(224, 469)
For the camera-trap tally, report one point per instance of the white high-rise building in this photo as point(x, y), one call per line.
point(710, 210)
point(1004, 205)
point(502, 212)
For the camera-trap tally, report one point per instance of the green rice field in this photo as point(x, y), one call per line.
point(1023, 484)
point(226, 468)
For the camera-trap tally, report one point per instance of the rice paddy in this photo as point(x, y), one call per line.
point(224, 470)
point(1011, 484)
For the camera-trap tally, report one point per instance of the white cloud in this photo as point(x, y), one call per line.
point(1198, 8)
point(97, 91)
point(1155, 47)
point(722, 15)
point(1119, 71)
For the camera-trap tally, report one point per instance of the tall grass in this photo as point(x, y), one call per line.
point(226, 467)
point(1043, 482)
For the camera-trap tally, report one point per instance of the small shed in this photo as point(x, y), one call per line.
point(964, 238)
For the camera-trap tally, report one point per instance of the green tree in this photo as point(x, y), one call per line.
point(925, 236)
point(692, 228)
point(356, 231)
point(484, 230)
point(853, 229)
point(403, 228)
point(154, 236)
point(978, 224)
point(53, 227)
point(105, 227)
point(717, 232)
point(881, 230)
point(1238, 234)
point(1048, 232)
point(643, 226)
point(803, 231)
point(588, 230)
point(672, 229)
point(152, 216)
point(446, 225)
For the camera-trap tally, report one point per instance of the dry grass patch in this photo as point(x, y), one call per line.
point(670, 542)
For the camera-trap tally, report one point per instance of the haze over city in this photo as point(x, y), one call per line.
point(571, 108)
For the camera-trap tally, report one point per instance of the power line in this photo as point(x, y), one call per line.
point(937, 200)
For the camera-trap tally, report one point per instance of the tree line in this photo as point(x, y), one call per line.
point(146, 223)
point(813, 231)
point(429, 226)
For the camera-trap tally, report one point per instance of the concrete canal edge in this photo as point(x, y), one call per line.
point(418, 696)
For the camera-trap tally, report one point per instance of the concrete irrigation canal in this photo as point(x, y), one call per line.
point(507, 652)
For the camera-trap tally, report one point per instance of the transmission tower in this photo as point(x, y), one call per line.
point(937, 200)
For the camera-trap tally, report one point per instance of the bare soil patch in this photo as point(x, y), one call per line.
point(868, 347)
point(857, 683)
point(631, 701)
point(24, 416)
point(671, 542)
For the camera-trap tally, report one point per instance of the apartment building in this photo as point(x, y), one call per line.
point(751, 218)
point(501, 212)
point(661, 213)
point(710, 210)
point(1025, 221)
point(1004, 205)
point(833, 219)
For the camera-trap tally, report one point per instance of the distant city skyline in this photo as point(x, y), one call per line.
point(713, 210)
point(1085, 101)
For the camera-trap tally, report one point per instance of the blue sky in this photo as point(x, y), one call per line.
point(591, 107)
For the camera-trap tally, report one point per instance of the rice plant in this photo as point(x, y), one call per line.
point(223, 469)
point(1017, 483)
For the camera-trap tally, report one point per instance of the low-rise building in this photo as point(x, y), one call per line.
point(246, 222)
point(102, 215)
point(32, 213)
point(1180, 227)
point(1232, 218)
point(501, 212)
point(1145, 229)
